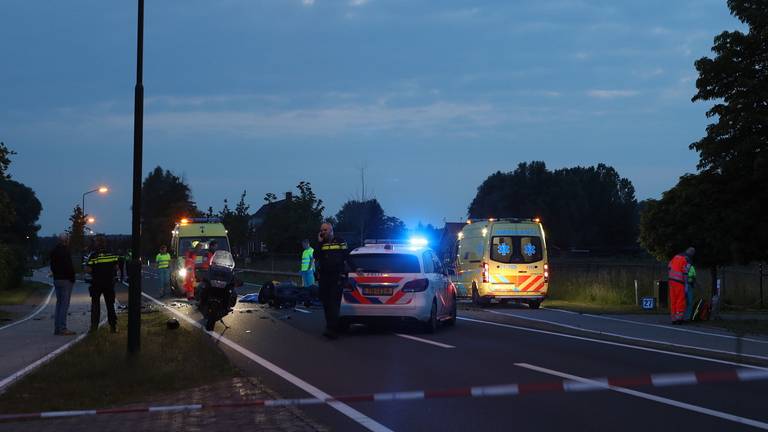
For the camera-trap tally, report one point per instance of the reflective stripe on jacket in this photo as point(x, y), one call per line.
point(163, 260)
point(678, 268)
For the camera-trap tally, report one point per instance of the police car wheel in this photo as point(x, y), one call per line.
point(451, 321)
point(430, 326)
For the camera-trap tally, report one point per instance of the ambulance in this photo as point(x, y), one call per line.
point(185, 235)
point(503, 260)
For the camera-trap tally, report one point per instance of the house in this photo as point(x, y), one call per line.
point(255, 245)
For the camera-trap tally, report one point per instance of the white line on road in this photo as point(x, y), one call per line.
point(345, 409)
point(426, 341)
point(623, 345)
point(33, 314)
point(667, 327)
point(659, 399)
point(618, 335)
point(298, 309)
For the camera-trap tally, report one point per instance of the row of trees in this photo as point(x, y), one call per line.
point(582, 207)
point(19, 211)
point(721, 209)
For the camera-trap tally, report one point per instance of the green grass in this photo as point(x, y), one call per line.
point(21, 294)
point(97, 372)
point(596, 308)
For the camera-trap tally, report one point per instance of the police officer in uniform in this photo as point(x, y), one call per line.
point(330, 266)
point(103, 267)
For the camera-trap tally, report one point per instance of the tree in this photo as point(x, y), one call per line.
point(582, 207)
point(290, 221)
point(689, 214)
point(735, 147)
point(6, 208)
point(166, 198)
point(76, 231)
point(367, 220)
point(236, 223)
point(25, 208)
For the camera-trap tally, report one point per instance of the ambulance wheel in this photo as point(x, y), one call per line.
point(451, 321)
point(476, 299)
point(430, 326)
point(534, 304)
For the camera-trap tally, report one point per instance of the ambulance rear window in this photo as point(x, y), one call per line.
point(384, 263)
point(516, 249)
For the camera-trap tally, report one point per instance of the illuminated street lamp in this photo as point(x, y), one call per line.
point(101, 189)
point(91, 220)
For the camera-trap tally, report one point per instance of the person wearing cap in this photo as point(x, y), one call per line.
point(103, 268)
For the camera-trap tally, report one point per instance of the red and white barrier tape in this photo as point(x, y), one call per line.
point(562, 386)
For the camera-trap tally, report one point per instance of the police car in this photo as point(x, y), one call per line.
point(400, 280)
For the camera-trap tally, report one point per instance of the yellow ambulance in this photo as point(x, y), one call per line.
point(187, 233)
point(503, 260)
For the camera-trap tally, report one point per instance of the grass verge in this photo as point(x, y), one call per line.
point(593, 308)
point(98, 373)
point(21, 294)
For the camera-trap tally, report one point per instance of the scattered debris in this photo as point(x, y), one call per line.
point(249, 298)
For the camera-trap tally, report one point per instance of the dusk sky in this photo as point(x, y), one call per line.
point(430, 96)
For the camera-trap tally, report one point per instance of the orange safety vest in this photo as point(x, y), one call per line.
point(678, 269)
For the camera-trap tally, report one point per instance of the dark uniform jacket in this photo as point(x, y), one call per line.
point(103, 268)
point(61, 263)
point(330, 260)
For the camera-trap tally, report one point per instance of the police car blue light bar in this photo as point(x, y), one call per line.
point(418, 242)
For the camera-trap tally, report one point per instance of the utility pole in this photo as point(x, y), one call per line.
point(362, 208)
point(134, 267)
point(761, 286)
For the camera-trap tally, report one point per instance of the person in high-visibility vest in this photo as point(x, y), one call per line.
point(163, 262)
point(690, 283)
point(678, 279)
point(307, 264)
point(190, 258)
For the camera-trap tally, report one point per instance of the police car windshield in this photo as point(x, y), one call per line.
point(516, 249)
point(384, 263)
point(185, 243)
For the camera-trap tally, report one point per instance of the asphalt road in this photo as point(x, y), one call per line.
point(477, 351)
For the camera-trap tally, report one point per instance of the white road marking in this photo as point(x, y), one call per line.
point(35, 312)
point(298, 309)
point(345, 409)
point(668, 327)
point(623, 345)
point(426, 341)
point(659, 399)
point(629, 337)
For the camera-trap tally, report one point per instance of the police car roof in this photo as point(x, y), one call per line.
point(384, 248)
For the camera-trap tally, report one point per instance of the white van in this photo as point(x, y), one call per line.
point(504, 260)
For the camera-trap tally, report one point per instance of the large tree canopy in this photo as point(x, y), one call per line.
point(26, 210)
point(165, 198)
point(735, 147)
point(366, 219)
point(581, 207)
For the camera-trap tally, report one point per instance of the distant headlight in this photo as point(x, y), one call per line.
point(183, 272)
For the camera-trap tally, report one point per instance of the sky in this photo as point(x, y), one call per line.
point(426, 98)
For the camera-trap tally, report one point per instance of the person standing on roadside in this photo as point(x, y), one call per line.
point(331, 269)
point(63, 281)
point(307, 264)
point(103, 268)
point(678, 280)
point(163, 262)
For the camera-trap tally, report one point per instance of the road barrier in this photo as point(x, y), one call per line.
point(561, 386)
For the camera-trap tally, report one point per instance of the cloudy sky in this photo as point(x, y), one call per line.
point(429, 96)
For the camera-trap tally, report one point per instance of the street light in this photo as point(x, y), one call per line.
point(91, 220)
point(101, 189)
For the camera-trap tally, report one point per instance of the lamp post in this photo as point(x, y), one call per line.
point(101, 190)
point(134, 272)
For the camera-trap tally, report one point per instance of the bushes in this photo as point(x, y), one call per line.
point(11, 267)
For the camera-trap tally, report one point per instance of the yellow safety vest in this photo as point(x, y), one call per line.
point(306, 259)
point(163, 260)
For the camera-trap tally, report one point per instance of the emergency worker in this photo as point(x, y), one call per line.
point(103, 267)
point(331, 269)
point(678, 279)
point(163, 262)
point(689, 286)
point(307, 264)
point(189, 264)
